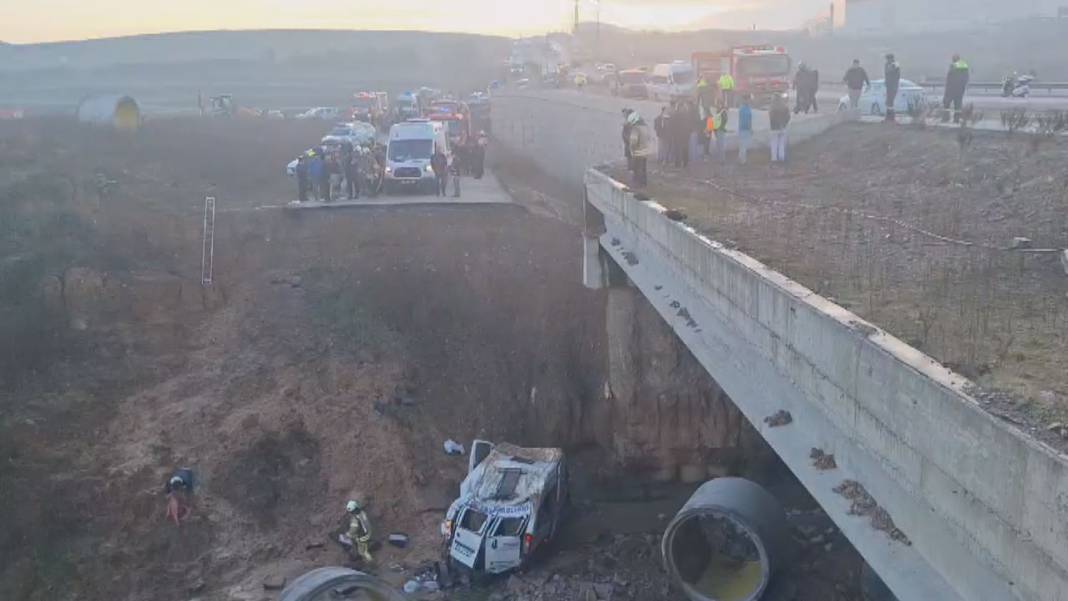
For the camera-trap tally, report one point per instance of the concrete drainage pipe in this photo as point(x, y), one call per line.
point(338, 584)
point(726, 542)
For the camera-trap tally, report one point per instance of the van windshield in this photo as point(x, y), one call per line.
point(767, 65)
point(682, 77)
point(410, 150)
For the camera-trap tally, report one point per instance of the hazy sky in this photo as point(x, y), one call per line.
point(50, 20)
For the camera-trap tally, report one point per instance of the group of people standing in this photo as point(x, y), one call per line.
point(326, 175)
point(856, 79)
point(686, 129)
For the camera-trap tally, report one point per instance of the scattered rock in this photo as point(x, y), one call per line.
point(310, 546)
point(398, 539)
point(675, 215)
point(1047, 396)
point(863, 504)
point(779, 418)
point(274, 582)
point(453, 448)
point(197, 586)
point(821, 460)
point(1021, 242)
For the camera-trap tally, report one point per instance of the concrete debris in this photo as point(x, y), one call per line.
point(821, 460)
point(1059, 429)
point(293, 281)
point(274, 582)
point(453, 448)
point(1019, 242)
point(398, 539)
point(864, 505)
point(675, 215)
point(779, 418)
point(1064, 260)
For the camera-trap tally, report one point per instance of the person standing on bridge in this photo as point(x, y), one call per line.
point(745, 129)
point(660, 127)
point(779, 117)
point(316, 172)
point(640, 148)
point(892, 75)
point(439, 163)
point(726, 89)
point(302, 178)
point(350, 167)
point(626, 136)
point(720, 131)
point(856, 79)
point(956, 84)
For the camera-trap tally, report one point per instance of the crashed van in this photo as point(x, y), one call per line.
point(511, 503)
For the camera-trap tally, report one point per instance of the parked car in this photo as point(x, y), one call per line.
point(326, 113)
point(511, 503)
point(873, 99)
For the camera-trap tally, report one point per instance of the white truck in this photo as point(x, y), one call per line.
point(408, 152)
point(511, 503)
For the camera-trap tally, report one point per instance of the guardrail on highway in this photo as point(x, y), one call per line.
point(997, 85)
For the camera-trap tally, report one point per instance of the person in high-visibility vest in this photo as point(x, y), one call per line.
point(956, 84)
point(726, 88)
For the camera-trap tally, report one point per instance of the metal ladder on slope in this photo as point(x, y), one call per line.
point(207, 257)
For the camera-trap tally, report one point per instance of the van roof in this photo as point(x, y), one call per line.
point(512, 476)
point(415, 130)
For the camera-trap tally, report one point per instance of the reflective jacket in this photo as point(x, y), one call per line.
point(726, 82)
point(359, 526)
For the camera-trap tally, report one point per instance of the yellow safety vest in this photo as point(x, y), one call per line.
point(726, 82)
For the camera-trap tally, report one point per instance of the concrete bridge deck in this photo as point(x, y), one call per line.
point(983, 506)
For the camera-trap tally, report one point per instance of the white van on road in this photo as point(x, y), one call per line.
point(672, 80)
point(511, 502)
point(408, 151)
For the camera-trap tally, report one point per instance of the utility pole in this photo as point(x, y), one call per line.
point(597, 42)
point(575, 28)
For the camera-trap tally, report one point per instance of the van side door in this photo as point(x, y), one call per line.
point(504, 543)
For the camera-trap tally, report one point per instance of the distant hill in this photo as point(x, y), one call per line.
point(184, 47)
point(271, 68)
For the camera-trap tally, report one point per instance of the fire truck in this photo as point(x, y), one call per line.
point(759, 70)
point(457, 118)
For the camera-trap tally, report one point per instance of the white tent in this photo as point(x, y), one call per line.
point(118, 111)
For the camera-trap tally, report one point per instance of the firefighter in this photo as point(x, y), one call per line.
point(179, 491)
point(726, 89)
point(358, 534)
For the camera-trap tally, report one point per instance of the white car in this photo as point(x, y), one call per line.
point(357, 133)
point(325, 113)
point(873, 99)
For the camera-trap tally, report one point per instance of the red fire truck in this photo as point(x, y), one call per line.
point(760, 70)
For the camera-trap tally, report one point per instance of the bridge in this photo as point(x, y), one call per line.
point(980, 508)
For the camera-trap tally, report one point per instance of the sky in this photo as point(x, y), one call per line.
point(28, 21)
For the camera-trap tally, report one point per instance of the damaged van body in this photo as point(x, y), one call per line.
point(510, 504)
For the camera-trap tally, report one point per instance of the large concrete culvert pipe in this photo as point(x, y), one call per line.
point(726, 542)
point(338, 584)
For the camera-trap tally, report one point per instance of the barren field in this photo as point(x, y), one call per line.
point(903, 227)
point(333, 355)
